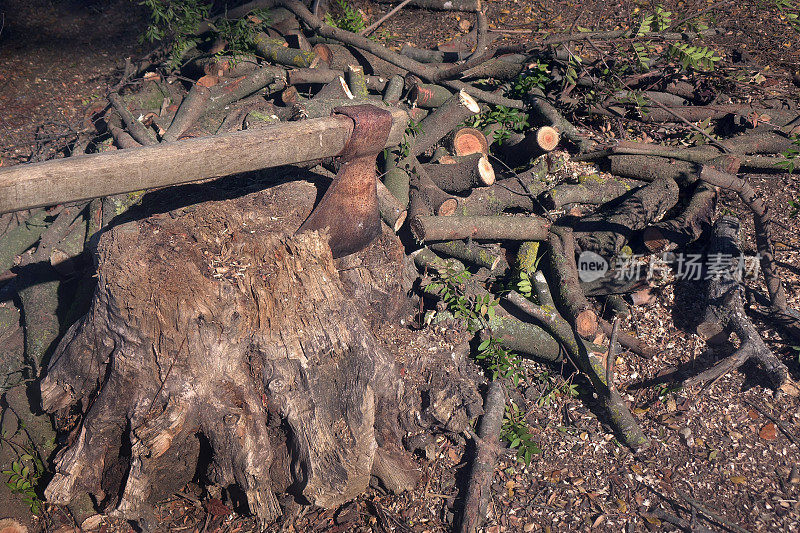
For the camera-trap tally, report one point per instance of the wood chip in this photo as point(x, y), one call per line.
point(768, 432)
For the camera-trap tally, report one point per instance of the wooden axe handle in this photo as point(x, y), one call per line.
point(148, 167)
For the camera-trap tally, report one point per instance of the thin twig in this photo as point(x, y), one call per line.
point(372, 27)
point(710, 514)
point(698, 13)
point(774, 420)
point(680, 522)
point(612, 354)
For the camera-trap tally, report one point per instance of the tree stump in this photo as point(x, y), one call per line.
point(217, 333)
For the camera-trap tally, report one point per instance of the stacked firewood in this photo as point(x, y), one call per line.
point(462, 194)
point(457, 188)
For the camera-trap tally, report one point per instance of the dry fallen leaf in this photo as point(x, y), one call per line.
point(208, 81)
point(768, 432)
point(791, 388)
point(215, 507)
point(599, 520)
point(652, 520)
point(452, 454)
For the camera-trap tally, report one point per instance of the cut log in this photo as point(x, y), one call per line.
point(397, 181)
point(520, 149)
point(426, 198)
point(651, 168)
point(607, 231)
point(423, 55)
point(519, 228)
point(278, 51)
point(725, 313)
point(562, 273)
point(341, 56)
point(787, 318)
point(590, 189)
point(394, 90)
point(505, 67)
point(122, 137)
point(337, 89)
point(192, 107)
point(357, 81)
point(291, 95)
point(524, 338)
point(512, 194)
point(472, 253)
point(461, 174)
point(428, 95)
point(453, 112)
point(392, 211)
point(300, 76)
point(224, 94)
point(487, 448)
point(466, 141)
point(589, 362)
point(135, 128)
point(778, 117)
point(687, 227)
point(546, 113)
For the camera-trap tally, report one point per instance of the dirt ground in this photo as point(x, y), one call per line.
point(56, 58)
point(714, 446)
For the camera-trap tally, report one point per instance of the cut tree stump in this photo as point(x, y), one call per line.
point(216, 331)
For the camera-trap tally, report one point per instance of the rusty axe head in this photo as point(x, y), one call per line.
point(349, 208)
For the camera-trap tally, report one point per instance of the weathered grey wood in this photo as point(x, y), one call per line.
point(255, 342)
point(96, 175)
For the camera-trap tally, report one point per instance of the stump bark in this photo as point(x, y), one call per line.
point(216, 332)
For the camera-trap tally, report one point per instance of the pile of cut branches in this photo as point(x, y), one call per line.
point(471, 191)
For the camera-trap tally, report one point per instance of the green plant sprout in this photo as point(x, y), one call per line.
point(475, 311)
point(790, 11)
point(176, 23)
point(695, 57)
point(412, 130)
point(24, 475)
point(536, 77)
point(524, 286)
point(790, 156)
point(510, 120)
point(349, 20)
point(500, 361)
point(516, 432)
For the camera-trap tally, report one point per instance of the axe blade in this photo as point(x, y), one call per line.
point(349, 208)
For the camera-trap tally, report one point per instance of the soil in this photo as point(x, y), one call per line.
point(57, 58)
point(713, 446)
